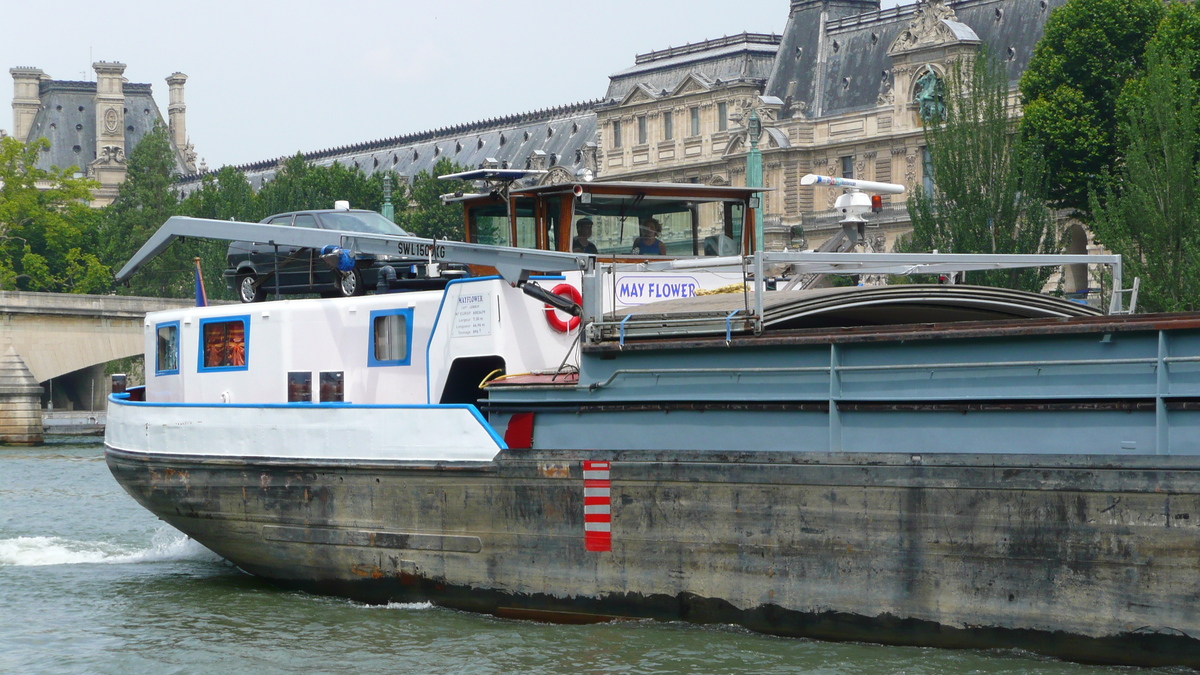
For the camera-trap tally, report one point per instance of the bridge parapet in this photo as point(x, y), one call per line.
point(72, 304)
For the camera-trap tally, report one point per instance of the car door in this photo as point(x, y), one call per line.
point(262, 255)
point(305, 268)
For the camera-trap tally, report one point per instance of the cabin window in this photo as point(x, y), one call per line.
point(333, 388)
point(668, 126)
point(391, 338)
point(299, 385)
point(224, 343)
point(167, 352)
point(306, 220)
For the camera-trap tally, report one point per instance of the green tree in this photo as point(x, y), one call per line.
point(988, 194)
point(1070, 89)
point(47, 231)
point(144, 202)
point(223, 195)
point(425, 215)
point(1147, 210)
point(300, 185)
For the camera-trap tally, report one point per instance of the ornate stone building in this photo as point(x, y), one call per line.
point(837, 93)
point(840, 98)
point(92, 125)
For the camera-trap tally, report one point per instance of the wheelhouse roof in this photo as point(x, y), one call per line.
point(691, 191)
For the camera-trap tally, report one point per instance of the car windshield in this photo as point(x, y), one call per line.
point(360, 221)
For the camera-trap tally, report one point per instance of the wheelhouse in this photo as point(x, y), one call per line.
point(692, 220)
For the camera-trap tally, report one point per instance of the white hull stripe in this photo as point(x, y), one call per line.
point(595, 475)
point(597, 492)
point(596, 508)
point(597, 527)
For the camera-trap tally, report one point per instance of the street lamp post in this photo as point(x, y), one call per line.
point(389, 211)
point(754, 175)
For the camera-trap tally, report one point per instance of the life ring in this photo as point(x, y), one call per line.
point(570, 292)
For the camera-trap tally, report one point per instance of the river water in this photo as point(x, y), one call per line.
point(92, 583)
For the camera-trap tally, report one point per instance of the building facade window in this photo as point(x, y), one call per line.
point(722, 116)
point(641, 121)
point(616, 133)
point(695, 115)
point(847, 167)
point(668, 126)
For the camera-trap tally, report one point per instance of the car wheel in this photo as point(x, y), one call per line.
point(348, 284)
point(248, 292)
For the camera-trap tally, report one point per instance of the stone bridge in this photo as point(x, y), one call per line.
point(54, 347)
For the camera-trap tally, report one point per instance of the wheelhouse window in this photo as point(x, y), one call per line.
point(391, 338)
point(489, 225)
point(166, 360)
point(299, 386)
point(224, 343)
point(684, 227)
point(333, 389)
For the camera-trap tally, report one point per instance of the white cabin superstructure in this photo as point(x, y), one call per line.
point(397, 348)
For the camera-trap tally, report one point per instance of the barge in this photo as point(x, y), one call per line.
point(947, 466)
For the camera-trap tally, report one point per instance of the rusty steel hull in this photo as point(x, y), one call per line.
point(1086, 558)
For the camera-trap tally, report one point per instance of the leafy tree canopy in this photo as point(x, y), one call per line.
point(1090, 49)
point(1147, 211)
point(45, 232)
point(988, 194)
point(425, 214)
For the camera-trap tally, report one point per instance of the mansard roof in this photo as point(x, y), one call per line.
point(744, 57)
point(857, 68)
point(67, 119)
point(559, 134)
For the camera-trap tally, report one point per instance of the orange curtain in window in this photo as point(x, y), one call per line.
point(224, 344)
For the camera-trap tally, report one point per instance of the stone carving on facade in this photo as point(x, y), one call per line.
point(557, 175)
point(111, 154)
point(591, 158)
point(928, 29)
point(910, 169)
point(111, 120)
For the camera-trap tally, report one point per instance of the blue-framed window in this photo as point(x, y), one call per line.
point(166, 360)
point(224, 344)
point(391, 338)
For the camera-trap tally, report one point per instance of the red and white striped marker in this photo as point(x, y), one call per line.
point(597, 507)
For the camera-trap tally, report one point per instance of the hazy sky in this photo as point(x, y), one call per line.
point(269, 78)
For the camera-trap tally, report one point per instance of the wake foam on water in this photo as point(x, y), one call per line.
point(407, 605)
point(167, 544)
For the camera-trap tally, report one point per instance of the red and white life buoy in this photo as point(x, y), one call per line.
point(570, 292)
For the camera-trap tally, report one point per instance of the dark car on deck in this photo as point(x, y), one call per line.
point(252, 266)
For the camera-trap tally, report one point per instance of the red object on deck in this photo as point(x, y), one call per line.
point(519, 435)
